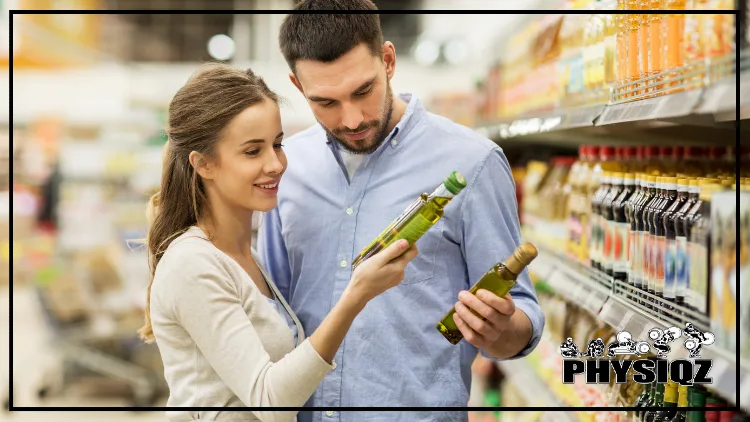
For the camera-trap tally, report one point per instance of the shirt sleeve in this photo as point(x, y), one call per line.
point(272, 251)
point(208, 307)
point(491, 232)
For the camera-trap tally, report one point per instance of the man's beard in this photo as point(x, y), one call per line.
point(381, 126)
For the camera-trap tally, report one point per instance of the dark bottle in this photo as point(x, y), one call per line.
point(700, 248)
point(697, 398)
point(670, 403)
point(639, 262)
point(669, 188)
point(682, 266)
point(608, 222)
point(671, 293)
point(650, 241)
point(621, 229)
point(654, 404)
point(597, 237)
point(630, 217)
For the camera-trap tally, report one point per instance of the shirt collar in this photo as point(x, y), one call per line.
point(413, 113)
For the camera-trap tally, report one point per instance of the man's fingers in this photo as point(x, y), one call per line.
point(504, 305)
point(469, 335)
point(477, 324)
point(473, 302)
point(390, 253)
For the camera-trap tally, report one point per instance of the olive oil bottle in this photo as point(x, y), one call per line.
point(498, 280)
point(414, 222)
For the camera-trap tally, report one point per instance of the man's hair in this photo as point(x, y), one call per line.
point(325, 37)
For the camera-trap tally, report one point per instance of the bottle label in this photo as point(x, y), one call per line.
point(682, 268)
point(670, 287)
point(655, 58)
point(647, 261)
point(620, 247)
point(658, 262)
point(674, 50)
point(698, 275)
point(632, 249)
point(638, 261)
point(592, 236)
point(607, 249)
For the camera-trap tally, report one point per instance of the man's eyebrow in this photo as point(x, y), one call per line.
point(359, 88)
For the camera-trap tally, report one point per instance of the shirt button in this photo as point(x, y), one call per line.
point(394, 142)
point(349, 211)
point(343, 263)
point(329, 413)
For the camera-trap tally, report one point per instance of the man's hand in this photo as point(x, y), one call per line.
point(503, 333)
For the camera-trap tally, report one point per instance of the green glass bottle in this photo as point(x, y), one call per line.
point(414, 222)
point(498, 280)
point(670, 403)
point(697, 399)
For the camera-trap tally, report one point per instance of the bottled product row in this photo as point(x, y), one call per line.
point(572, 60)
point(543, 369)
point(642, 245)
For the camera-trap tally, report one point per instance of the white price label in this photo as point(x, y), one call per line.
point(583, 117)
point(629, 112)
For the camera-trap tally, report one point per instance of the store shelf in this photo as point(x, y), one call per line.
point(535, 391)
point(618, 304)
point(699, 90)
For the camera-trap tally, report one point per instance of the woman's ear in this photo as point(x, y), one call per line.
point(201, 165)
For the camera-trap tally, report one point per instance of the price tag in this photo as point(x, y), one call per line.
point(629, 112)
point(719, 97)
point(583, 117)
point(679, 104)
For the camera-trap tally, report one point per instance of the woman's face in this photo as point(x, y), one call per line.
point(249, 161)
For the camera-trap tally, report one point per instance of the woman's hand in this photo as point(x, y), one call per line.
point(380, 272)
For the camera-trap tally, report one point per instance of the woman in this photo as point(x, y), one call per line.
point(225, 334)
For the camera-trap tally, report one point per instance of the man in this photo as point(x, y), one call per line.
point(372, 154)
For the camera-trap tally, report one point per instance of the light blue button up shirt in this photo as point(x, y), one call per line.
point(393, 355)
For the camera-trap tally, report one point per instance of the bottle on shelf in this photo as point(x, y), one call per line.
point(633, 47)
point(696, 398)
point(622, 39)
point(633, 241)
point(621, 233)
point(700, 246)
point(680, 414)
point(673, 291)
point(610, 46)
point(656, 41)
point(597, 224)
point(650, 241)
point(608, 223)
point(674, 47)
point(682, 234)
point(642, 400)
point(711, 402)
point(669, 406)
point(498, 280)
point(669, 190)
point(640, 276)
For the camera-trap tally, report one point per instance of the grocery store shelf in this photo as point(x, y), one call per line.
point(534, 390)
point(703, 94)
point(616, 304)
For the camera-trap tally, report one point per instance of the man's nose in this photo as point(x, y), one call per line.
point(352, 117)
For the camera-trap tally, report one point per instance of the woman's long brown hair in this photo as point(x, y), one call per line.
point(198, 113)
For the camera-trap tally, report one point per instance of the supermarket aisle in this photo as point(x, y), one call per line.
point(33, 360)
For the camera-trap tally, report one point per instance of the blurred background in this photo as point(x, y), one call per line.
point(90, 95)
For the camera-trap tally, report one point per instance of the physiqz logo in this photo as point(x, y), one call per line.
point(597, 370)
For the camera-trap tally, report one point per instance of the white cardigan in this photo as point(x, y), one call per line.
point(223, 344)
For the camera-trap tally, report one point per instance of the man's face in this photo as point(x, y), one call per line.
point(350, 97)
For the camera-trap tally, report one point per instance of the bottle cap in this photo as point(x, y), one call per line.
point(665, 152)
point(691, 152)
point(593, 152)
point(649, 152)
point(670, 183)
point(678, 152)
point(522, 256)
point(606, 153)
point(454, 183)
point(582, 151)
